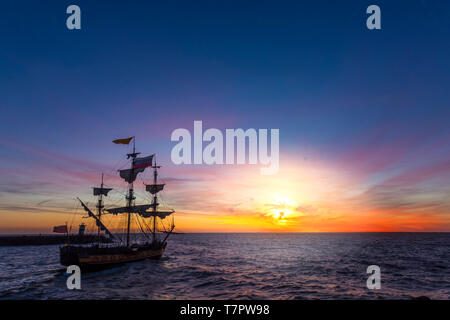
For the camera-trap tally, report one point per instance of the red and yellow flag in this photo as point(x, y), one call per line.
point(123, 141)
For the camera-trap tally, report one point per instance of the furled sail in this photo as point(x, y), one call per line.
point(97, 221)
point(134, 209)
point(101, 191)
point(160, 214)
point(154, 188)
point(129, 175)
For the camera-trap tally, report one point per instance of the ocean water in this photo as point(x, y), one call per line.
point(247, 266)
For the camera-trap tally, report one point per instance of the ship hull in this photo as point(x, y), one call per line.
point(97, 258)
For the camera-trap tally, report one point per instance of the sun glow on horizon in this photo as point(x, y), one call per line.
point(302, 197)
point(282, 209)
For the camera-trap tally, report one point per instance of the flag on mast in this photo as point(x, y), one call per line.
point(60, 229)
point(143, 162)
point(123, 141)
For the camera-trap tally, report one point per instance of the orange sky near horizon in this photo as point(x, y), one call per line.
point(303, 197)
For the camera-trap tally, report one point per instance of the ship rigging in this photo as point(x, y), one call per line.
point(96, 256)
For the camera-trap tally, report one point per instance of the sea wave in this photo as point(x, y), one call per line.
point(247, 266)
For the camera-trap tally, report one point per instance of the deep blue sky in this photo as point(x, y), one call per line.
point(312, 69)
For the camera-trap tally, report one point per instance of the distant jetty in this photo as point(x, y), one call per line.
point(42, 240)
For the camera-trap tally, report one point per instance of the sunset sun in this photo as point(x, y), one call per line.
point(282, 210)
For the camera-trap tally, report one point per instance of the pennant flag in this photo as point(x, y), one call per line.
point(123, 141)
point(60, 229)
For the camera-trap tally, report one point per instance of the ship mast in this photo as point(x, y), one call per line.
point(138, 165)
point(99, 208)
point(130, 197)
point(155, 200)
point(100, 192)
point(154, 188)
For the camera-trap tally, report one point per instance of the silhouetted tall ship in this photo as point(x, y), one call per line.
point(152, 243)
